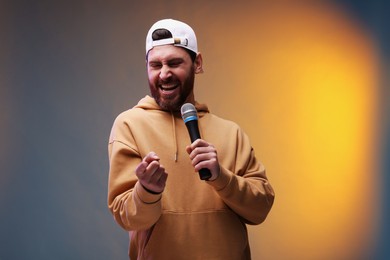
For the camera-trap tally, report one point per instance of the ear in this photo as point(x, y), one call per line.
point(198, 63)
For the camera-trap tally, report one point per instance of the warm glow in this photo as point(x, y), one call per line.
point(305, 77)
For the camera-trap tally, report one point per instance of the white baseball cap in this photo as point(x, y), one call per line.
point(182, 35)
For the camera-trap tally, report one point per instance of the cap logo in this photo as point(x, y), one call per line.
point(176, 41)
point(181, 41)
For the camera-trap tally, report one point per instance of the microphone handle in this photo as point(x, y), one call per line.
point(193, 130)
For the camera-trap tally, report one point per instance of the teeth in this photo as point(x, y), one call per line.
point(168, 87)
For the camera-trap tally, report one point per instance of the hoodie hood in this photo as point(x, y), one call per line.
point(148, 103)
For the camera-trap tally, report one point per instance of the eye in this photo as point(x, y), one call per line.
point(155, 65)
point(175, 63)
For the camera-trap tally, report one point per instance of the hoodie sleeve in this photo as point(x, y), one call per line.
point(247, 190)
point(131, 205)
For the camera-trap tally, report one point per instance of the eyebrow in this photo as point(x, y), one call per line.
point(168, 61)
point(174, 60)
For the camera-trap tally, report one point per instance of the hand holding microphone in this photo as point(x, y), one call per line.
point(203, 155)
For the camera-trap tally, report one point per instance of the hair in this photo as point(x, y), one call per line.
point(160, 34)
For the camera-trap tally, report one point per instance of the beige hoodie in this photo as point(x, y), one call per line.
point(191, 219)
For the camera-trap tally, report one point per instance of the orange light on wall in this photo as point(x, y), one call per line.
point(302, 80)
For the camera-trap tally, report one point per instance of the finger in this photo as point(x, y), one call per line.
point(205, 164)
point(202, 150)
point(163, 179)
point(200, 157)
point(152, 167)
point(141, 168)
point(152, 156)
point(157, 175)
point(144, 171)
point(199, 143)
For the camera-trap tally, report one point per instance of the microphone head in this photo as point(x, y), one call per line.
point(188, 112)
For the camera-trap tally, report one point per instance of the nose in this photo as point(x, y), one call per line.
point(165, 72)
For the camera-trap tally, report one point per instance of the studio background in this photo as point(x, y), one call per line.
point(307, 80)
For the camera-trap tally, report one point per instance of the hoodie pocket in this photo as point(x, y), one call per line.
point(197, 235)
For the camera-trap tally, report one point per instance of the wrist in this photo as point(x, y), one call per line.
point(215, 176)
point(150, 191)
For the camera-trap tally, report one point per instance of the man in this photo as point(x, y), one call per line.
point(154, 189)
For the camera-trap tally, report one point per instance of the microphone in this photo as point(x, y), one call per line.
point(190, 117)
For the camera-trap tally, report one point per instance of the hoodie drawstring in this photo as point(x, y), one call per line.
point(174, 136)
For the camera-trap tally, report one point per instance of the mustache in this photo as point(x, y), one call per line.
point(169, 80)
point(160, 82)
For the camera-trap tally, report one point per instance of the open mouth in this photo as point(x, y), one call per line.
point(168, 87)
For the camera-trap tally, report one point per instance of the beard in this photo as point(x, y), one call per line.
point(173, 102)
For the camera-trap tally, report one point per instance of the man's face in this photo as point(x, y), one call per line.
point(171, 75)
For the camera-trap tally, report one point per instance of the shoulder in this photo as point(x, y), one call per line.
point(128, 114)
point(146, 106)
point(222, 127)
point(122, 122)
point(128, 123)
point(221, 122)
